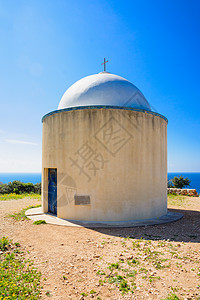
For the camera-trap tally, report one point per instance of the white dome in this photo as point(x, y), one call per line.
point(104, 89)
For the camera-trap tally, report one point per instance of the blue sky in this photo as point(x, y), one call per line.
point(46, 46)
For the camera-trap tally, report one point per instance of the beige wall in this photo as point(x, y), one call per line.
point(130, 184)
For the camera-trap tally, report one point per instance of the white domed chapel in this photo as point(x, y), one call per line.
point(104, 155)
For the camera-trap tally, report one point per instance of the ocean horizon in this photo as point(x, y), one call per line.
point(36, 177)
point(23, 177)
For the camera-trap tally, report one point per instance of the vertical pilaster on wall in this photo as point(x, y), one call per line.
point(45, 190)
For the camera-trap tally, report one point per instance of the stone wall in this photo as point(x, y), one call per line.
point(184, 192)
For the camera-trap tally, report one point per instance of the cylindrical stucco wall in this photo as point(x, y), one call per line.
point(115, 158)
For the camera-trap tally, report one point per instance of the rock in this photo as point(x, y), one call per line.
point(184, 192)
point(130, 257)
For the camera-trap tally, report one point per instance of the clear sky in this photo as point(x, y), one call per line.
point(47, 45)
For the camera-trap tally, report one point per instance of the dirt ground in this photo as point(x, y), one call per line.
point(155, 261)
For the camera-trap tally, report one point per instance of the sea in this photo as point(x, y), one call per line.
point(23, 177)
point(36, 177)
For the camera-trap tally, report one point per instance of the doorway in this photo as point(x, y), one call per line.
point(52, 191)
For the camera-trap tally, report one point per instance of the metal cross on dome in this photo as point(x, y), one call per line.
point(104, 63)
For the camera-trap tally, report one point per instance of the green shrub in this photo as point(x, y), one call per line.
point(38, 222)
point(37, 188)
point(19, 187)
point(4, 242)
point(178, 182)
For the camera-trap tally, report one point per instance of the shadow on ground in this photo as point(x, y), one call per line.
point(186, 229)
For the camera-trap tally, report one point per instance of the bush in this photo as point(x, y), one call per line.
point(4, 243)
point(170, 184)
point(19, 187)
point(38, 222)
point(178, 182)
point(37, 188)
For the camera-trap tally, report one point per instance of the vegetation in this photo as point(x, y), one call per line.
point(38, 222)
point(18, 187)
point(179, 182)
point(171, 297)
point(4, 242)
point(48, 294)
point(178, 200)
point(129, 273)
point(14, 196)
point(84, 294)
point(18, 278)
point(21, 215)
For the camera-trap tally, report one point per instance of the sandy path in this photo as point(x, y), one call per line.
point(79, 253)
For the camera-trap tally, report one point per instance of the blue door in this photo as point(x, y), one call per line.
point(52, 191)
